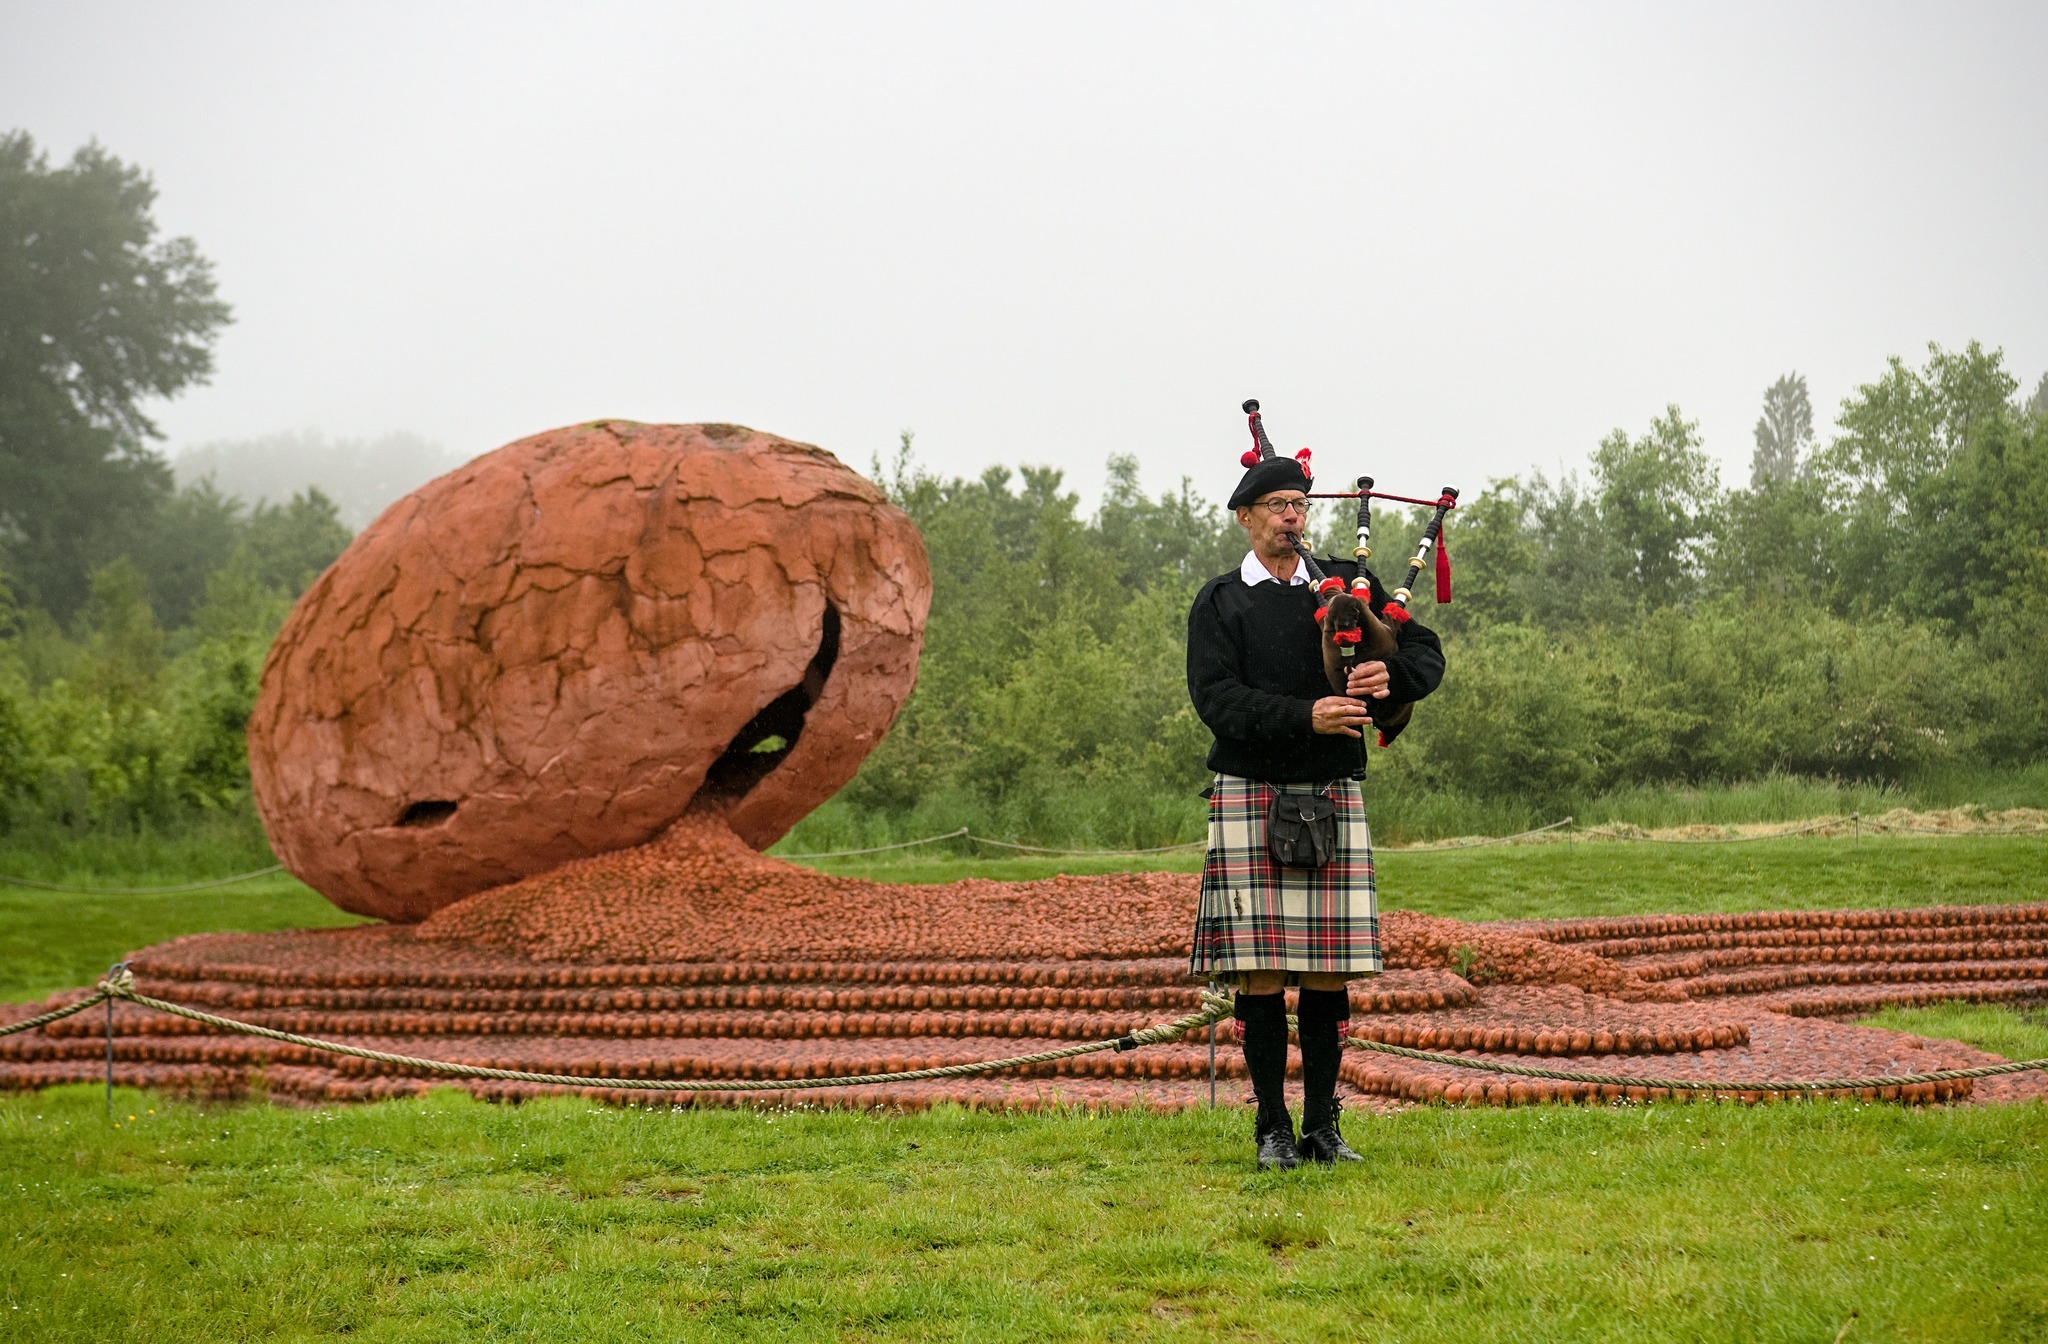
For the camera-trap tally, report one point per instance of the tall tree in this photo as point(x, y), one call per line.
point(1911, 423)
point(1783, 432)
point(1893, 466)
point(1655, 496)
point(96, 316)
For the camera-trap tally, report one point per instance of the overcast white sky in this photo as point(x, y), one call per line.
point(1440, 242)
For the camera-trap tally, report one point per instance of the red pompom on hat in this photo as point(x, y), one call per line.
point(1249, 458)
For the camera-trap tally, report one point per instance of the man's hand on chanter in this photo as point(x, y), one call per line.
point(1340, 714)
point(1367, 679)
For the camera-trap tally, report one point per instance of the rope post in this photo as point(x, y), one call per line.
point(112, 972)
point(1213, 989)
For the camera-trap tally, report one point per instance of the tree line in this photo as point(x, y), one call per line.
point(1872, 603)
point(1866, 607)
point(134, 615)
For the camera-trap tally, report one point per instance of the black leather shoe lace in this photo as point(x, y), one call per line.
point(1325, 1144)
point(1277, 1150)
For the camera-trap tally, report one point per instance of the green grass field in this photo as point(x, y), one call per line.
point(1110, 816)
point(449, 1219)
point(1610, 878)
point(52, 940)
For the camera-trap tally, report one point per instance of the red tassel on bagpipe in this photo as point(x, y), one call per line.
point(1443, 570)
point(1396, 613)
point(1346, 636)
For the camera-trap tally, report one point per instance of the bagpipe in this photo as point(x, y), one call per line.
point(1348, 623)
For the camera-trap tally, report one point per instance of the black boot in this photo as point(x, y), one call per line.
point(1277, 1151)
point(1262, 1028)
point(1325, 1144)
point(1322, 1016)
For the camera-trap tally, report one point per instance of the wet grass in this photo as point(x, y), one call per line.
point(2016, 1033)
point(448, 1219)
point(1084, 815)
point(51, 941)
point(1612, 877)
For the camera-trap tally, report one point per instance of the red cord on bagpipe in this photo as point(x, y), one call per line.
point(1448, 501)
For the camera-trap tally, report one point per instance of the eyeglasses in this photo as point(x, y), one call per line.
point(1276, 507)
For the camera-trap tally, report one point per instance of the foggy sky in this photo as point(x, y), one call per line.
point(1439, 242)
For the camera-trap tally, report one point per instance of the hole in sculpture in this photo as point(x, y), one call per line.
point(431, 812)
point(769, 737)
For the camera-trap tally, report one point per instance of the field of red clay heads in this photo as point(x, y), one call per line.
point(695, 957)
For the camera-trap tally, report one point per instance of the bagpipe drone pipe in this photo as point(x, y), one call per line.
point(1352, 632)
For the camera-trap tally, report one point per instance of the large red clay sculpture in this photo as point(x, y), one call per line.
point(554, 650)
point(545, 713)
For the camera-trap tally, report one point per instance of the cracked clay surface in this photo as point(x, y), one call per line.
point(539, 657)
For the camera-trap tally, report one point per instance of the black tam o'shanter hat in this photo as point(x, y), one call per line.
point(1265, 470)
point(1269, 474)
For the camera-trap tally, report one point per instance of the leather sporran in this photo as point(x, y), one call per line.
point(1301, 829)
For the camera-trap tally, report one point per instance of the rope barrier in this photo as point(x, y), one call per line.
point(1040, 849)
point(964, 834)
point(1215, 1007)
point(1703, 1084)
point(1877, 826)
point(139, 891)
point(877, 849)
point(121, 986)
point(1685, 1084)
point(29, 1023)
point(1472, 844)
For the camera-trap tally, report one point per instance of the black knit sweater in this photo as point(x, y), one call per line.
point(1255, 670)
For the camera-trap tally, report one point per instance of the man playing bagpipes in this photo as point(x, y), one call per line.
point(1287, 895)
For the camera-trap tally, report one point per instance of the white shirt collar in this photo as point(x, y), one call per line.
point(1254, 572)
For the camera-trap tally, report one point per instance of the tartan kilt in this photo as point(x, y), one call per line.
point(1255, 915)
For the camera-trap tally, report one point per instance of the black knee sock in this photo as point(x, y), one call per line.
point(1322, 1013)
point(1262, 1027)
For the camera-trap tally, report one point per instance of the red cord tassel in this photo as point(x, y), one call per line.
point(1443, 570)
